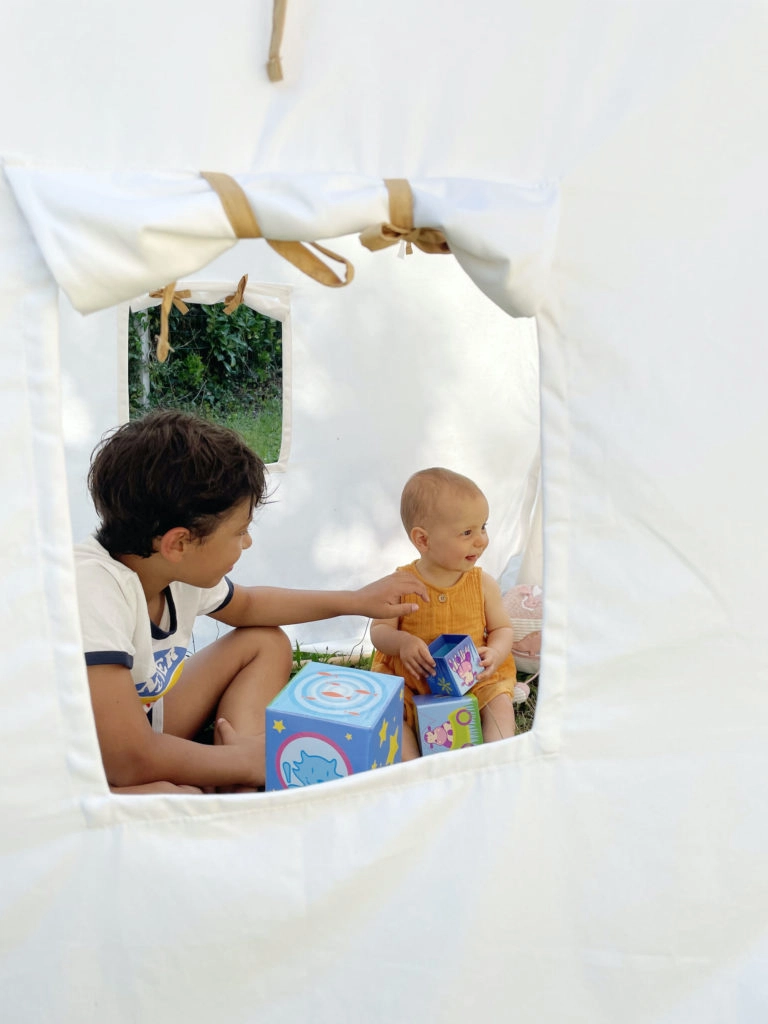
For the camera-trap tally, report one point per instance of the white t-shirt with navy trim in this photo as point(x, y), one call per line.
point(116, 627)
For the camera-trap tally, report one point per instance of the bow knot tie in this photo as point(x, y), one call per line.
point(380, 236)
point(399, 227)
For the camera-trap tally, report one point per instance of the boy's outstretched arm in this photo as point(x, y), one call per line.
point(275, 606)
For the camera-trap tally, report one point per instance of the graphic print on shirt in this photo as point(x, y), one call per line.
point(168, 667)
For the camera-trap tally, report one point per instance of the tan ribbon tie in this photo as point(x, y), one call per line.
point(243, 221)
point(231, 302)
point(400, 228)
point(170, 297)
point(274, 64)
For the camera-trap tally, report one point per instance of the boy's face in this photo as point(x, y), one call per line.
point(456, 536)
point(207, 560)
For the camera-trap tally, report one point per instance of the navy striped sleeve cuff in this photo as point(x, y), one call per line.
point(109, 658)
point(228, 598)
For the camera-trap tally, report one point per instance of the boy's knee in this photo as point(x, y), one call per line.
point(268, 642)
point(280, 642)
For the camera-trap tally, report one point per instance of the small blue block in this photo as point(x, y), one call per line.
point(331, 721)
point(457, 665)
point(447, 723)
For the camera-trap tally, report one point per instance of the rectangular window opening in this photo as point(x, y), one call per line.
point(227, 368)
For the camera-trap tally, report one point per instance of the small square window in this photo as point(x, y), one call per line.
point(225, 367)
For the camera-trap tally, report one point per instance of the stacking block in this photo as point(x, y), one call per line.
point(457, 664)
point(447, 723)
point(331, 721)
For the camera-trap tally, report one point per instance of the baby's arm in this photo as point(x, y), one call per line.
point(276, 606)
point(501, 636)
point(387, 637)
point(134, 755)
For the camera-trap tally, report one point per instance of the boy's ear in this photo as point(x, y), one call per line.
point(419, 538)
point(173, 543)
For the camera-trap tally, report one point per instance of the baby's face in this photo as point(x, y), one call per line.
point(457, 535)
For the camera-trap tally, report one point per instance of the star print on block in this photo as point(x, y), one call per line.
point(331, 721)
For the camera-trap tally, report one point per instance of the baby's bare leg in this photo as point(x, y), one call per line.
point(498, 718)
point(410, 744)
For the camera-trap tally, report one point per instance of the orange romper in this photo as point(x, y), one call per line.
point(457, 609)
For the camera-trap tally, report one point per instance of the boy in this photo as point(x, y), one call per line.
point(175, 497)
point(444, 514)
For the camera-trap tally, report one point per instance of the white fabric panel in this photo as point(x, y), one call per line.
point(610, 865)
point(94, 387)
point(518, 91)
point(109, 237)
point(42, 678)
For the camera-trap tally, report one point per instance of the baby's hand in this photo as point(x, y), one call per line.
point(415, 657)
point(490, 659)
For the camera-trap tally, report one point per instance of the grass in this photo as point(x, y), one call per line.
point(524, 713)
point(354, 659)
point(261, 428)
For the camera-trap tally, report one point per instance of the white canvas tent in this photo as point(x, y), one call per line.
point(598, 164)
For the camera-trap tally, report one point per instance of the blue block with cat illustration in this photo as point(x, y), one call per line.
point(457, 664)
point(331, 721)
point(447, 723)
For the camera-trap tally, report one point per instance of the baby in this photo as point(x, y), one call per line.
point(445, 515)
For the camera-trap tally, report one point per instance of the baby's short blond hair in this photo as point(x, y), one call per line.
point(425, 490)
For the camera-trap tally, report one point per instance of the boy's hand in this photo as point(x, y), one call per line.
point(415, 657)
point(381, 600)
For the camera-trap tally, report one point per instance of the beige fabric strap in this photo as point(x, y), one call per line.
point(309, 264)
point(400, 228)
point(235, 203)
point(231, 302)
point(244, 224)
point(274, 64)
point(170, 297)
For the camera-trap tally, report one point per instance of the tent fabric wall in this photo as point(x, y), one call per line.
point(607, 866)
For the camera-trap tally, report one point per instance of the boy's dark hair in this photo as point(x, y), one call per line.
point(169, 469)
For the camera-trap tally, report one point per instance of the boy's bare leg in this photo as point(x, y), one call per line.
point(498, 718)
point(156, 787)
point(410, 744)
point(237, 676)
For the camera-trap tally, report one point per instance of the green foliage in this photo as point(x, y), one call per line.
point(230, 362)
point(227, 368)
